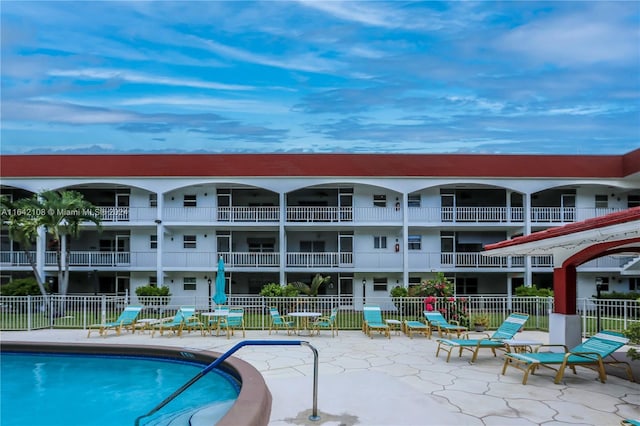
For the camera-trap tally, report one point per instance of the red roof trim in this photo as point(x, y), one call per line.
point(586, 225)
point(324, 165)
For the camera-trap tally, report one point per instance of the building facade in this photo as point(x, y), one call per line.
point(370, 221)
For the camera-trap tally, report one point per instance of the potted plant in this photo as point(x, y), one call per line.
point(480, 322)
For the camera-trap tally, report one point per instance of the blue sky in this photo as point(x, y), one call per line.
point(302, 76)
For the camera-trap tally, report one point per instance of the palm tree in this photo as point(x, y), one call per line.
point(22, 229)
point(60, 213)
point(312, 290)
point(66, 211)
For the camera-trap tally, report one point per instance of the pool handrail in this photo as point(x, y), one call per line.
point(314, 414)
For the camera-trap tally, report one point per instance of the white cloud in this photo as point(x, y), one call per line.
point(132, 77)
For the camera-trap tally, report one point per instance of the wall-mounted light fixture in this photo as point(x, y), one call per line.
point(209, 281)
point(364, 281)
point(205, 235)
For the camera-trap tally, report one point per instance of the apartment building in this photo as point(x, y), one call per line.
point(370, 221)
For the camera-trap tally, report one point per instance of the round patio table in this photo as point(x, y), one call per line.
point(302, 320)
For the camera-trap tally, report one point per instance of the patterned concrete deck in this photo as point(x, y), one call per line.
point(400, 382)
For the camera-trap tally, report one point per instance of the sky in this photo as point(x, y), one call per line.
point(320, 76)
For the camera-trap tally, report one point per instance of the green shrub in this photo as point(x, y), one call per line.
point(276, 290)
point(149, 290)
point(399, 291)
point(633, 333)
point(616, 295)
point(22, 287)
point(524, 291)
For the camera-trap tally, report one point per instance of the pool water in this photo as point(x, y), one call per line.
point(95, 390)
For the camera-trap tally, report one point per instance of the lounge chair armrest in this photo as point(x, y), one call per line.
point(454, 322)
point(467, 335)
point(566, 349)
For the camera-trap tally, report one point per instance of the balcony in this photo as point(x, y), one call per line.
point(127, 214)
point(248, 214)
point(247, 259)
point(326, 259)
point(472, 260)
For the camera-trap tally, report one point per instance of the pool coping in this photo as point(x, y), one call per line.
point(253, 406)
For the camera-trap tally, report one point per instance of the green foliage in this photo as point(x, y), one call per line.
point(312, 290)
point(616, 295)
point(480, 320)
point(438, 286)
point(524, 291)
point(276, 290)
point(633, 333)
point(21, 287)
point(149, 290)
point(399, 291)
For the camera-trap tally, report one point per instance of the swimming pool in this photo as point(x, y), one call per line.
point(95, 385)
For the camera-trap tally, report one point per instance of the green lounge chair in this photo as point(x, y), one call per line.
point(327, 323)
point(127, 319)
point(438, 322)
point(279, 323)
point(185, 318)
point(411, 327)
point(592, 353)
point(373, 321)
point(507, 330)
point(235, 321)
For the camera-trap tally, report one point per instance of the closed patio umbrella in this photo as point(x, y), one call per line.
point(220, 298)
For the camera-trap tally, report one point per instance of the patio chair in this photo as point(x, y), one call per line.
point(592, 353)
point(219, 320)
point(279, 323)
point(373, 321)
point(438, 322)
point(411, 327)
point(235, 321)
point(127, 319)
point(326, 323)
point(185, 318)
point(507, 330)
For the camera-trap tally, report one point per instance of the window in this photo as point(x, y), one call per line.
point(634, 284)
point(153, 241)
point(413, 200)
point(602, 283)
point(189, 283)
point(380, 200)
point(153, 200)
point(633, 201)
point(312, 246)
point(261, 245)
point(153, 281)
point(415, 242)
point(465, 285)
point(380, 284)
point(380, 242)
point(602, 202)
point(189, 241)
point(190, 200)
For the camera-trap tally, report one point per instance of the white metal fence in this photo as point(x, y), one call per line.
point(36, 312)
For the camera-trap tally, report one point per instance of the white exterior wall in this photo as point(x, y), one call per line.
point(178, 262)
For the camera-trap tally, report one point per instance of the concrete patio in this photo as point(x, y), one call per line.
point(400, 381)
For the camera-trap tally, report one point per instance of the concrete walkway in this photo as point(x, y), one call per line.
point(399, 382)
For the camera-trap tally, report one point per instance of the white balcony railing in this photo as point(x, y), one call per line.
point(327, 259)
point(246, 259)
point(473, 260)
point(127, 214)
point(248, 214)
point(319, 214)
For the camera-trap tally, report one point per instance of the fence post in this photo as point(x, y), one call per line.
point(29, 312)
point(103, 308)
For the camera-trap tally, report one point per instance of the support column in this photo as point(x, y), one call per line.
point(564, 324)
point(159, 239)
